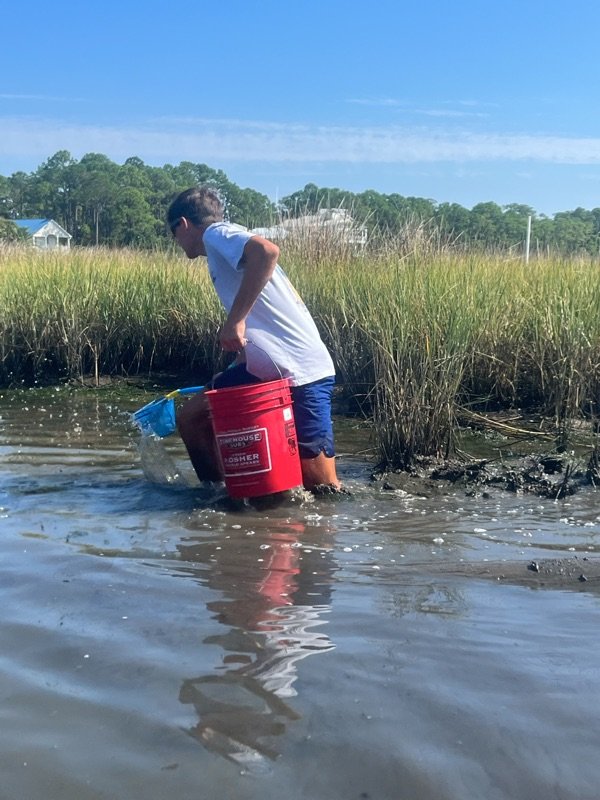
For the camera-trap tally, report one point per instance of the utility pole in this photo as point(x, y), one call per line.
point(528, 239)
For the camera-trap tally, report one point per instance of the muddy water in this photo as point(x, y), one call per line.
point(158, 642)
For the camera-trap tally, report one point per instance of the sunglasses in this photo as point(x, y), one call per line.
point(174, 225)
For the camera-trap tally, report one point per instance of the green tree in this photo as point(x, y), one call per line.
point(19, 183)
point(453, 221)
point(486, 224)
point(96, 192)
point(380, 214)
point(515, 224)
point(573, 231)
point(310, 199)
point(52, 187)
point(162, 191)
point(135, 174)
point(9, 232)
point(101, 202)
point(247, 207)
point(5, 197)
point(133, 223)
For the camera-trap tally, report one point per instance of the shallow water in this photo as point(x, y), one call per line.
point(159, 642)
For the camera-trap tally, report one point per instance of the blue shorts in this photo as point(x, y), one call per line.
point(312, 409)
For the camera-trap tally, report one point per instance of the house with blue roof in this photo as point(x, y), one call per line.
point(46, 234)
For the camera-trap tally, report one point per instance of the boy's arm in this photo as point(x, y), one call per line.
point(258, 261)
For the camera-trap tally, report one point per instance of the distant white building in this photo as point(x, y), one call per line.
point(336, 224)
point(45, 233)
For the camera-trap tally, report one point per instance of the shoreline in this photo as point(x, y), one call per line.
point(575, 573)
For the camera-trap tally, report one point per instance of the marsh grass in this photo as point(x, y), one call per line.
point(420, 338)
point(418, 334)
point(102, 312)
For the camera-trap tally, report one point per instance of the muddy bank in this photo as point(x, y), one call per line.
point(575, 573)
point(546, 475)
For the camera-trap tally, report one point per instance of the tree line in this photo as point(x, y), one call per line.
point(100, 202)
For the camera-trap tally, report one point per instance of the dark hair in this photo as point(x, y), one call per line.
point(200, 204)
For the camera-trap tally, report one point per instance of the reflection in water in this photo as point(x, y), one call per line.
point(275, 590)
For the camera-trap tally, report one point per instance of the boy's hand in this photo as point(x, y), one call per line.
point(232, 336)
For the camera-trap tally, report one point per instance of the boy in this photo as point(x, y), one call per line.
point(269, 328)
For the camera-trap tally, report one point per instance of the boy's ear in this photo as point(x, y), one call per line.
point(187, 225)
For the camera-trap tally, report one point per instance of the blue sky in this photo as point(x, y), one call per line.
point(458, 101)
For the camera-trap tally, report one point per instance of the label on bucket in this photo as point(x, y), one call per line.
point(245, 452)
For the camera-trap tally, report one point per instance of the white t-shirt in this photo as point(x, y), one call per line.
point(283, 340)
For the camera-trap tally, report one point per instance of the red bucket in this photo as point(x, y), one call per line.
point(256, 437)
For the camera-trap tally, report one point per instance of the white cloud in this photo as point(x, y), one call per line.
point(450, 113)
point(385, 102)
point(408, 105)
point(206, 140)
point(42, 97)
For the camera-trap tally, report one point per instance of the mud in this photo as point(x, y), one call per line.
point(550, 475)
point(577, 573)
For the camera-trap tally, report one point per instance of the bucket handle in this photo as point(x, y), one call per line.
point(262, 350)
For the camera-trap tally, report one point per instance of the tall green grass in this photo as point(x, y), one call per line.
point(103, 312)
point(417, 336)
point(420, 337)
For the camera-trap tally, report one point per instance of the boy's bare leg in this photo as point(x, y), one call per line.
point(319, 471)
point(195, 427)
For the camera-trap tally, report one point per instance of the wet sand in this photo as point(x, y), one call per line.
point(575, 573)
